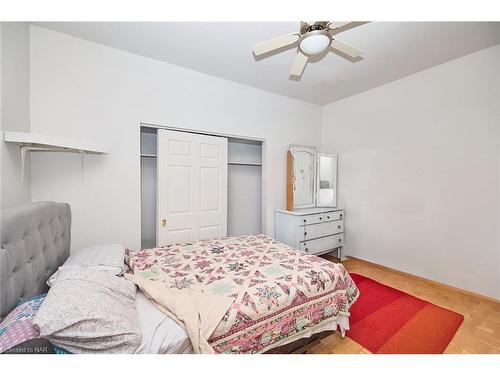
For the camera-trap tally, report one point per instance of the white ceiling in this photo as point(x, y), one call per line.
point(392, 50)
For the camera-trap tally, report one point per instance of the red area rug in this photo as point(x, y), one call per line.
point(387, 320)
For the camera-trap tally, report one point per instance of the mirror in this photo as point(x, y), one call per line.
point(311, 178)
point(327, 180)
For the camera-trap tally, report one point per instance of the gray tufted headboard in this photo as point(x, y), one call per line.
point(34, 241)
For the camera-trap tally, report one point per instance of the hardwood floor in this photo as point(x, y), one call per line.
point(479, 333)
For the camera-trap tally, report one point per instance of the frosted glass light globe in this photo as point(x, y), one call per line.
point(314, 44)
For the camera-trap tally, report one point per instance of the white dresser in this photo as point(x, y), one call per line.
point(313, 230)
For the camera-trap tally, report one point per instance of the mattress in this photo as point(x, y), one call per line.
point(278, 294)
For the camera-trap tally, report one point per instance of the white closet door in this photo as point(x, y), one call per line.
point(192, 187)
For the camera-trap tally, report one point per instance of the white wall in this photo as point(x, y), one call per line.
point(418, 158)
point(96, 94)
point(419, 172)
point(15, 113)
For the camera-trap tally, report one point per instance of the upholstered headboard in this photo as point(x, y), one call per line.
point(34, 241)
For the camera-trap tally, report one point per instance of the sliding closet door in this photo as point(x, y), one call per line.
point(192, 187)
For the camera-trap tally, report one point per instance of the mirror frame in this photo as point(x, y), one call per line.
point(311, 150)
point(290, 177)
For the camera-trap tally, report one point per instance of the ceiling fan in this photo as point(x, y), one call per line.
point(312, 39)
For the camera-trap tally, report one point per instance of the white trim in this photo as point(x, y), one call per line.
point(203, 132)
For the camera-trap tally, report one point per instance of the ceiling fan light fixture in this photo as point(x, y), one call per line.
point(315, 42)
point(313, 39)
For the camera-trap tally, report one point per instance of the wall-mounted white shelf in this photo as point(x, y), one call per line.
point(29, 142)
point(50, 143)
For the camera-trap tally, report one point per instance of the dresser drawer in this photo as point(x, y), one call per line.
point(334, 215)
point(321, 230)
point(311, 219)
point(322, 245)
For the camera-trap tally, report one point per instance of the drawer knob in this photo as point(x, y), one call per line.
point(321, 218)
point(307, 250)
point(340, 227)
point(305, 220)
point(341, 216)
point(328, 217)
point(305, 233)
point(340, 239)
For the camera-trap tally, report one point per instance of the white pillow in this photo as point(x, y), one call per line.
point(89, 311)
point(110, 258)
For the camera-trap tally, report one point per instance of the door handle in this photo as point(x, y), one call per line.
point(164, 223)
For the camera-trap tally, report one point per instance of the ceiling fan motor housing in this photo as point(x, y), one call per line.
point(306, 27)
point(314, 27)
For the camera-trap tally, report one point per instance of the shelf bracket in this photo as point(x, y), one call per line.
point(25, 149)
point(23, 162)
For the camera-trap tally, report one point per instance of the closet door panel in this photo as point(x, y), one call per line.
point(192, 187)
point(210, 151)
point(179, 148)
point(180, 191)
point(210, 189)
point(180, 235)
point(213, 185)
point(210, 231)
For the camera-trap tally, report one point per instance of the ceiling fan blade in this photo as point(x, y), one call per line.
point(338, 27)
point(335, 25)
point(298, 65)
point(346, 49)
point(275, 43)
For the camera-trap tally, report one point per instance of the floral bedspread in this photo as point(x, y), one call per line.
point(277, 291)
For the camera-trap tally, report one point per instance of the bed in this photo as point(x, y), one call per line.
point(262, 293)
point(35, 241)
point(274, 299)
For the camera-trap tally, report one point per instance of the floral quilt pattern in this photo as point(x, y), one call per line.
point(278, 291)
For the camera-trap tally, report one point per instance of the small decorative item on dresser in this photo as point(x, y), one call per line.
point(314, 230)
